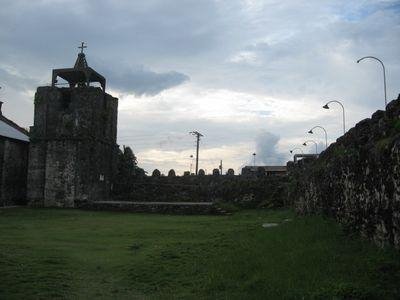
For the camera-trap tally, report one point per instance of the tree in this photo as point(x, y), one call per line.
point(127, 172)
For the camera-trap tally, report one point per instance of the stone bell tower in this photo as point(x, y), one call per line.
point(73, 141)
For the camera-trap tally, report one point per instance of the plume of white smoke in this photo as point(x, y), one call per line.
point(267, 151)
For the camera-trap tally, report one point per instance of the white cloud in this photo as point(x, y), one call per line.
point(247, 57)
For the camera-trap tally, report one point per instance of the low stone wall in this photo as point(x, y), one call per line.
point(242, 191)
point(357, 179)
point(182, 208)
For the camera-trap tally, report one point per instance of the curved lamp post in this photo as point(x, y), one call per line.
point(254, 159)
point(384, 72)
point(344, 117)
point(326, 135)
point(297, 148)
point(316, 146)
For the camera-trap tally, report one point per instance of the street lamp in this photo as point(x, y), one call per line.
point(311, 141)
point(297, 148)
point(326, 135)
point(344, 117)
point(254, 159)
point(384, 73)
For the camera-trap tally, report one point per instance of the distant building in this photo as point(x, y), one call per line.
point(264, 170)
point(14, 145)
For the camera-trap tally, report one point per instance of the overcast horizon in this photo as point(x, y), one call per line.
point(251, 76)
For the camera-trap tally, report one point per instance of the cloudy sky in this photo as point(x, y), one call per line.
point(250, 75)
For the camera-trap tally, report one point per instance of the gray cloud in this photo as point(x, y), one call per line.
point(296, 51)
point(16, 81)
point(144, 82)
point(301, 47)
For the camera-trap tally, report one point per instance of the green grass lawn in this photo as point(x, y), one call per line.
point(50, 253)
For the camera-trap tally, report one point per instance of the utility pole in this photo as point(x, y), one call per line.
point(197, 135)
point(220, 166)
point(191, 163)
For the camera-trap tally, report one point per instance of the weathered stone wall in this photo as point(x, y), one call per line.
point(73, 146)
point(13, 170)
point(357, 179)
point(267, 191)
point(180, 208)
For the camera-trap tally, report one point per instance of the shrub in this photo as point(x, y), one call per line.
point(230, 172)
point(156, 173)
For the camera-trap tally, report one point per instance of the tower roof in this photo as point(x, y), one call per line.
point(81, 62)
point(80, 74)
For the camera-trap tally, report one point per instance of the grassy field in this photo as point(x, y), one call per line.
point(49, 253)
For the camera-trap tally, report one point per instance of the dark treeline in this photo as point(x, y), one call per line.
point(127, 172)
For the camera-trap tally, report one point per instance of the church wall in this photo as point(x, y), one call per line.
point(60, 174)
point(95, 170)
point(14, 161)
point(36, 173)
point(1, 167)
point(73, 145)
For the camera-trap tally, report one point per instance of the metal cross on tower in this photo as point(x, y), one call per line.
point(82, 46)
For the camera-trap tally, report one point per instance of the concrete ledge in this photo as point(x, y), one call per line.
point(10, 206)
point(183, 208)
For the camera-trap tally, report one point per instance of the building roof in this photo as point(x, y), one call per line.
point(298, 157)
point(11, 130)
